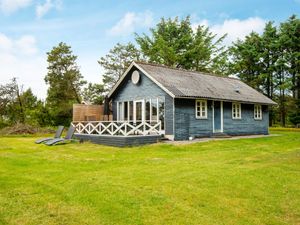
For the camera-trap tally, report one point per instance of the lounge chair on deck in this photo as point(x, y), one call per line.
point(68, 137)
point(57, 135)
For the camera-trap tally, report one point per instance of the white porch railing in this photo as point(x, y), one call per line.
point(121, 128)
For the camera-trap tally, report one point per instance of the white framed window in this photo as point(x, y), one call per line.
point(236, 110)
point(151, 110)
point(257, 112)
point(201, 109)
point(120, 115)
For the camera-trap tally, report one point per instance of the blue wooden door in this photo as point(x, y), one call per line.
point(217, 116)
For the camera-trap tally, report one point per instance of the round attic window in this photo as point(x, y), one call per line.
point(135, 77)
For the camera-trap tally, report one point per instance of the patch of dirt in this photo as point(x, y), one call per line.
point(24, 129)
point(216, 138)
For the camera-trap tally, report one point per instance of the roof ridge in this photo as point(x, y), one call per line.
point(184, 70)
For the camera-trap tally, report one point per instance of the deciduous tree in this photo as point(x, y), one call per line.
point(174, 43)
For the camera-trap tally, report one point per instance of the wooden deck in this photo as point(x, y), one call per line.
point(119, 133)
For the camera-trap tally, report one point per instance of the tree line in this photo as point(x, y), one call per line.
point(268, 62)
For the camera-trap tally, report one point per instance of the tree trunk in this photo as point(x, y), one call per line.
point(283, 112)
point(22, 118)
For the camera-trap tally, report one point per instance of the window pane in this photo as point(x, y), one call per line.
point(233, 110)
point(138, 111)
point(154, 109)
point(148, 110)
point(125, 110)
point(260, 112)
point(130, 110)
point(120, 111)
point(161, 107)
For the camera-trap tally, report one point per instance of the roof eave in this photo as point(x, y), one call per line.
point(119, 81)
point(226, 100)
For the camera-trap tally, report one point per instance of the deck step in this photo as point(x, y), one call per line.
point(220, 135)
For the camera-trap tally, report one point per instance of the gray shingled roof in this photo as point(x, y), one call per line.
point(183, 83)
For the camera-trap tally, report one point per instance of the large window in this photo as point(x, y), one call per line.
point(201, 109)
point(151, 110)
point(236, 110)
point(257, 112)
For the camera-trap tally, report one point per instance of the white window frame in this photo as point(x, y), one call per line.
point(128, 111)
point(120, 111)
point(236, 111)
point(198, 109)
point(257, 112)
point(154, 101)
point(134, 109)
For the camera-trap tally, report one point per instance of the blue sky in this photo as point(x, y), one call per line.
point(30, 28)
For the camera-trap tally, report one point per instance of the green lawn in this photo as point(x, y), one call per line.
point(248, 181)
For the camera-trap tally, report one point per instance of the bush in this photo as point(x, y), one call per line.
point(20, 128)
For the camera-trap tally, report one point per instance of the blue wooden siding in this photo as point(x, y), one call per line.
point(186, 124)
point(247, 124)
point(145, 89)
point(119, 141)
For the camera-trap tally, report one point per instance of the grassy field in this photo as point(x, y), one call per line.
point(247, 181)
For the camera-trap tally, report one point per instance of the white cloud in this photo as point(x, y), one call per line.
point(238, 29)
point(26, 45)
point(130, 22)
point(235, 28)
point(199, 23)
point(10, 6)
point(43, 9)
point(20, 59)
point(5, 43)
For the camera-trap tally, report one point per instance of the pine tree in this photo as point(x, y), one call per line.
point(65, 82)
point(116, 62)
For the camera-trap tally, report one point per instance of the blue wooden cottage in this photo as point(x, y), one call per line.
point(152, 100)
